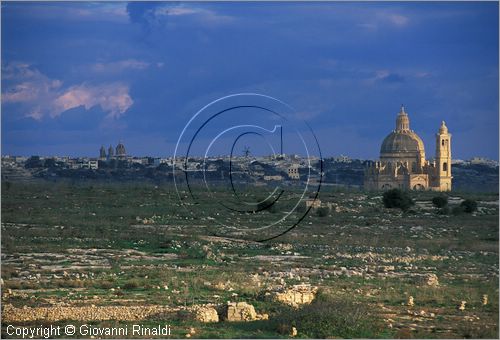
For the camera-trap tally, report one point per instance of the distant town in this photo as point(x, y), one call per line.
point(114, 163)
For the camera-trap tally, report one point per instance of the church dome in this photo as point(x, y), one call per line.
point(397, 142)
point(402, 142)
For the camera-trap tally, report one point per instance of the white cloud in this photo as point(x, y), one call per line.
point(368, 26)
point(17, 70)
point(36, 114)
point(112, 98)
point(398, 20)
point(422, 74)
point(381, 74)
point(87, 12)
point(40, 96)
point(383, 18)
point(177, 11)
point(203, 15)
point(308, 115)
point(121, 65)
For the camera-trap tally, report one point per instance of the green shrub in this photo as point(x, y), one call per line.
point(264, 205)
point(396, 198)
point(132, 284)
point(327, 317)
point(469, 206)
point(68, 283)
point(103, 284)
point(8, 272)
point(444, 210)
point(273, 209)
point(13, 284)
point(457, 210)
point(322, 211)
point(440, 201)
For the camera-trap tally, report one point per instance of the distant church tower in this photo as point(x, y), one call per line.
point(120, 151)
point(110, 152)
point(443, 159)
point(102, 153)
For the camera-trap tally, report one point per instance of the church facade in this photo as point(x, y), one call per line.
point(121, 153)
point(402, 161)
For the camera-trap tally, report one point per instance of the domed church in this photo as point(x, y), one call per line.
point(402, 161)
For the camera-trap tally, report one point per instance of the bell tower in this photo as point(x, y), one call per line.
point(443, 159)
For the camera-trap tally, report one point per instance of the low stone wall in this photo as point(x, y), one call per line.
point(233, 311)
point(87, 313)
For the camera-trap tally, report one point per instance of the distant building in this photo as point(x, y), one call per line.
point(273, 178)
point(120, 151)
point(293, 172)
point(110, 152)
point(402, 161)
point(313, 203)
point(20, 159)
point(342, 159)
point(102, 153)
point(93, 164)
point(483, 161)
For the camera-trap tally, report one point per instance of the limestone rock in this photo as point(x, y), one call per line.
point(240, 311)
point(263, 316)
point(485, 300)
point(431, 280)
point(297, 295)
point(205, 314)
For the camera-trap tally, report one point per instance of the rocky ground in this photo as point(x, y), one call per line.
point(420, 273)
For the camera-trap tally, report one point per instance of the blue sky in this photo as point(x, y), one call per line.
point(78, 75)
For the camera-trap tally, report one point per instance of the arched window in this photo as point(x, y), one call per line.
point(445, 166)
point(442, 142)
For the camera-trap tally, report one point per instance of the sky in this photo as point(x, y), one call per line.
point(78, 75)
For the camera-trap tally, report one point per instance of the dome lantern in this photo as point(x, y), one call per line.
point(402, 120)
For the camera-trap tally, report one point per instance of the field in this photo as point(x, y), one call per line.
point(117, 254)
